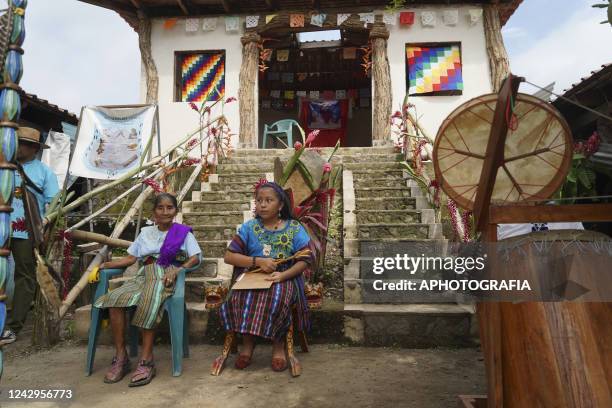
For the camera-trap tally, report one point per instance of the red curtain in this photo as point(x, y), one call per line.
point(326, 137)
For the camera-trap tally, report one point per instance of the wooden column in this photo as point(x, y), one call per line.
point(381, 83)
point(144, 43)
point(246, 95)
point(496, 50)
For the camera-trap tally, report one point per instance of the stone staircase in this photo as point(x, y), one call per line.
point(387, 211)
point(380, 205)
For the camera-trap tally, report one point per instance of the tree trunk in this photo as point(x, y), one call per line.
point(498, 57)
point(246, 94)
point(144, 43)
point(381, 81)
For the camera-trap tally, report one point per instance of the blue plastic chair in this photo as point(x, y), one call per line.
point(178, 320)
point(283, 127)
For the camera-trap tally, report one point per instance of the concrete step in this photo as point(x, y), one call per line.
point(214, 217)
point(382, 192)
point(242, 195)
point(205, 327)
point(240, 177)
point(387, 216)
point(389, 181)
point(414, 325)
point(370, 158)
point(352, 246)
point(219, 205)
point(261, 167)
point(399, 203)
point(213, 248)
point(383, 165)
point(233, 185)
point(194, 286)
point(369, 173)
point(398, 231)
point(214, 232)
point(326, 151)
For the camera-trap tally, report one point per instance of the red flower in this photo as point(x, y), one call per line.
point(153, 184)
point(19, 225)
point(191, 161)
point(194, 106)
point(397, 114)
point(230, 99)
point(192, 143)
point(327, 167)
point(312, 136)
point(297, 145)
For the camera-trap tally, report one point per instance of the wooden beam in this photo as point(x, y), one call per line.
point(112, 5)
point(227, 6)
point(272, 4)
point(135, 3)
point(183, 7)
point(511, 214)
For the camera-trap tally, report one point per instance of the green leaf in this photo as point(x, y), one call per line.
point(571, 176)
point(584, 179)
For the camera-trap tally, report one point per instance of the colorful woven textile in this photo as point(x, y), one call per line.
point(434, 69)
point(201, 73)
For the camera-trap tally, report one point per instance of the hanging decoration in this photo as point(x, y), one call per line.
point(289, 94)
point(192, 25)
point(318, 19)
point(252, 21)
point(366, 58)
point(341, 18)
point(434, 70)
point(314, 94)
point(341, 94)
point(301, 76)
point(270, 17)
point(282, 55)
point(203, 76)
point(209, 23)
point(301, 94)
point(170, 23)
point(275, 93)
point(232, 24)
point(450, 17)
point(407, 18)
point(428, 18)
point(390, 18)
point(296, 20)
point(475, 15)
point(287, 77)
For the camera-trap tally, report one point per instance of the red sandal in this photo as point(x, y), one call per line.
point(243, 362)
point(279, 364)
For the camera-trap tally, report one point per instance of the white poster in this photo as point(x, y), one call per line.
point(111, 140)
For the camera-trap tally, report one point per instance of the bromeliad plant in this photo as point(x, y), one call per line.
point(580, 181)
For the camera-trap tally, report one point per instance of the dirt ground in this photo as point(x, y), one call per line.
point(333, 376)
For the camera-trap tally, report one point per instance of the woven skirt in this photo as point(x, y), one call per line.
point(262, 312)
point(145, 291)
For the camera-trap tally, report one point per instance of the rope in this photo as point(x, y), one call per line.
point(578, 104)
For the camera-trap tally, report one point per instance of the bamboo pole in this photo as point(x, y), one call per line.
point(155, 161)
point(119, 228)
point(189, 183)
point(80, 235)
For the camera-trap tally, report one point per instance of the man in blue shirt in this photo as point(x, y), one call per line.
point(21, 246)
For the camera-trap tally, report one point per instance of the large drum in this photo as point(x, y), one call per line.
point(554, 354)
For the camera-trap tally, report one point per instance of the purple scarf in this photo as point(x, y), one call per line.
point(172, 244)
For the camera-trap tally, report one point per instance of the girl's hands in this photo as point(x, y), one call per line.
point(276, 277)
point(266, 264)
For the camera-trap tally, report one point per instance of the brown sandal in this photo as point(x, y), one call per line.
point(279, 364)
point(118, 370)
point(146, 368)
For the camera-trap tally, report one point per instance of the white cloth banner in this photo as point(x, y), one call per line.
point(57, 156)
point(111, 141)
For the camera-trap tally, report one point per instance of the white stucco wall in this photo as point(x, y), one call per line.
point(177, 118)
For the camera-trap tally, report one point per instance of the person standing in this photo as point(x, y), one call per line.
point(43, 184)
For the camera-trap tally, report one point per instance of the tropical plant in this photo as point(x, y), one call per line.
point(581, 178)
point(607, 5)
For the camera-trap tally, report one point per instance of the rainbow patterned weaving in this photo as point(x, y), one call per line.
point(435, 69)
point(200, 74)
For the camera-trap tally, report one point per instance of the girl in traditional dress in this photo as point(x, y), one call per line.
point(266, 313)
point(163, 249)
